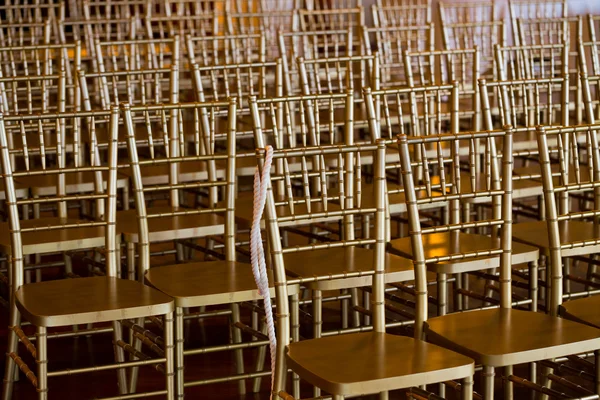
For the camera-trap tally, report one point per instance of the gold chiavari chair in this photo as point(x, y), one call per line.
point(226, 49)
point(458, 13)
point(484, 34)
point(88, 31)
point(522, 108)
point(187, 7)
point(330, 19)
point(24, 33)
point(391, 43)
point(497, 337)
point(31, 78)
point(328, 5)
point(570, 166)
point(435, 118)
point(549, 30)
point(30, 11)
point(379, 362)
point(195, 284)
point(242, 81)
point(443, 67)
point(268, 21)
point(118, 9)
point(339, 75)
point(532, 9)
point(195, 24)
point(311, 45)
point(401, 13)
point(60, 303)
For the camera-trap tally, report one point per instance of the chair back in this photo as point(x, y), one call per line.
point(391, 44)
point(459, 13)
point(33, 78)
point(420, 108)
point(268, 21)
point(432, 174)
point(401, 13)
point(532, 9)
point(570, 161)
point(31, 158)
point(444, 67)
point(330, 19)
point(227, 49)
point(312, 45)
point(188, 173)
point(549, 30)
point(307, 206)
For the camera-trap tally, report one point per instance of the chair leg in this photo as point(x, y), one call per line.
point(12, 347)
point(533, 376)
point(237, 338)
point(344, 309)
point(42, 363)
point(545, 381)
point(137, 345)
point(458, 298)
point(383, 396)
point(131, 261)
point(295, 322)
point(442, 292)
point(260, 362)
point(169, 368)
point(467, 388)
point(533, 285)
point(354, 303)
point(317, 324)
point(119, 357)
point(597, 367)
point(508, 385)
point(179, 362)
point(488, 382)
point(367, 306)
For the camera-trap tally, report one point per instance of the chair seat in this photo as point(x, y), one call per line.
point(209, 283)
point(535, 233)
point(446, 243)
point(80, 182)
point(501, 337)
point(340, 260)
point(89, 300)
point(585, 310)
point(371, 362)
point(169, 227)
point(55, 240)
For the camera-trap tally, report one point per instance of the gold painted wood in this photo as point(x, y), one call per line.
point(448, 243)
point(502, 337)
point(374, 362)
point(208, 283)
point(339, 260)
point(535, 233)
point(583, 310)
point(89, 300)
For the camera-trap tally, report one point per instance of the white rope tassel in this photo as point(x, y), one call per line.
point(257, 253)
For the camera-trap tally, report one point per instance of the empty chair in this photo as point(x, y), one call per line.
point(226, 49)
point(533, 9)
point(312, 45)
point(497, 337)
point(457, 13)
point(549, 30)
point(268, 21)
point(330, 19)
point(443, 67)
point(380, 361)
point(401, 13)
point(194, 284)
point(391, 43)
point(60, 303)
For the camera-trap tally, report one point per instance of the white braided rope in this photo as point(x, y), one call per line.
point(257, 253)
